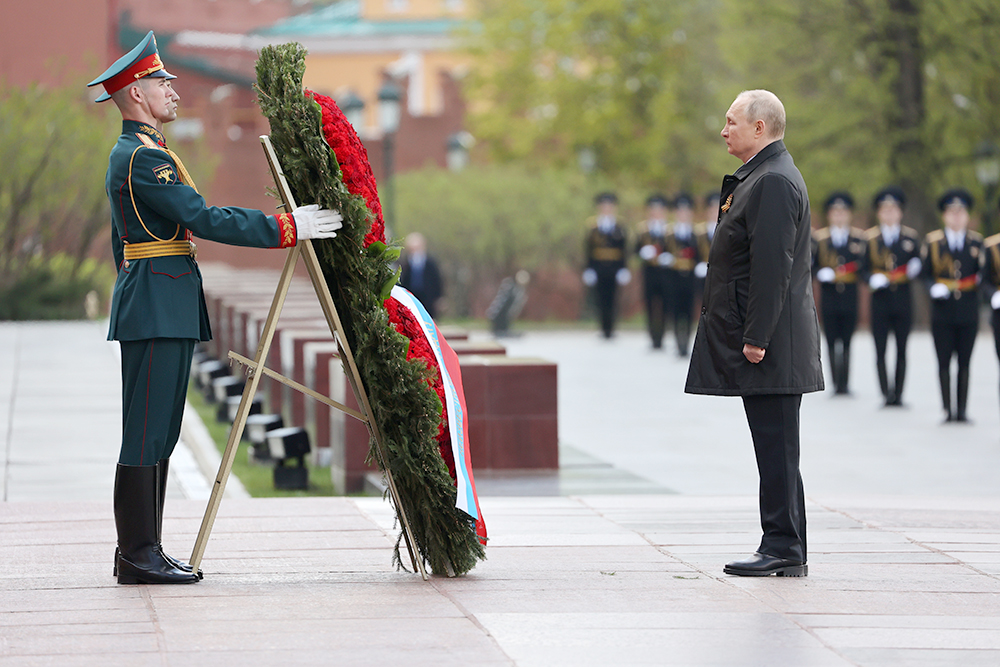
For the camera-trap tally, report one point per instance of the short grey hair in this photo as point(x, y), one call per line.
point(764, 105)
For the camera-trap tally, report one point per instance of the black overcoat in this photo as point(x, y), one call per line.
point(759, 286)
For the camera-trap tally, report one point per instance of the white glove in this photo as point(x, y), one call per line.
point(312, 222)
point(826, 275)
point(589, 277)
point(623, 276)
point(647, 252)
point(913, 268)
point(995, 300)
point(940, 291)
point(701, 269)
point(878, 281)
point(665, 259)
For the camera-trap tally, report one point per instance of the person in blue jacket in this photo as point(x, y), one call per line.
point(158, 308)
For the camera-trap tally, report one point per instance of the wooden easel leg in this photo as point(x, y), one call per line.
point(239, 423)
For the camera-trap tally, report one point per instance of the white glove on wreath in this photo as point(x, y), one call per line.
point(312, 222)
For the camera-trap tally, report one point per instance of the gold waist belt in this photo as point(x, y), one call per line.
point(606, 254)
point(159, 249)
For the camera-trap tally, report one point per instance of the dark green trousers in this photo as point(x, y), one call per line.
point(154, 386)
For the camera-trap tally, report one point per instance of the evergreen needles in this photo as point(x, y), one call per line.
point(404, 406)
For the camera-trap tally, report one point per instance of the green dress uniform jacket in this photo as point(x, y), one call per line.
point(162, 297)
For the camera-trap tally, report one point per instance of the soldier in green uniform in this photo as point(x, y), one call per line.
point(892, 260)
point(838, 251)
point(650, 248)
point(952, 259)
point(991, 281)
point(158, 308)
point(604, 251)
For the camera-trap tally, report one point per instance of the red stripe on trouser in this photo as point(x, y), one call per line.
point(145, 417)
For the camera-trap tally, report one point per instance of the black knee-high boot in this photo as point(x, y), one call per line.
point(137, 500)
point(163, 468)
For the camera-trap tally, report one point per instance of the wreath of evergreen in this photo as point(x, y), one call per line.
point(405, 407)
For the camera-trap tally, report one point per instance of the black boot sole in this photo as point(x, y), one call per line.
point(786, 571)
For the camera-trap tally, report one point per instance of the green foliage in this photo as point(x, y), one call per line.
point(633, 80)
point(55, 289)
point(876, 92)
point(53, 147)
point(405, 408)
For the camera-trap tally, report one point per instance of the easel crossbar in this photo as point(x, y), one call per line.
point(288, 382)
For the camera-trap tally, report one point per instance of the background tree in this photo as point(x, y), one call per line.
point(876, 91)
point(54, 150)
point(635, 82)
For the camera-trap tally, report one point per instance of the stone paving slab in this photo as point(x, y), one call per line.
point(568, 581)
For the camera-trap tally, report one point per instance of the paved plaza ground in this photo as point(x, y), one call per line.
point(622, 566)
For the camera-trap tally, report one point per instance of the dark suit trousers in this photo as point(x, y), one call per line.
point(154, 386)
point(774, 425)
point(954, 340)
point(604, 293)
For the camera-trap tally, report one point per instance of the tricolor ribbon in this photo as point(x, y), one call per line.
point(451, 378)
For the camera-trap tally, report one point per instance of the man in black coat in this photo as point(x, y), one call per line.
point(420, 273)
point(951, 263)
point(758, 336)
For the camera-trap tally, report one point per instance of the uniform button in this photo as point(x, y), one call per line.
point(703, 310)
point(126, 264)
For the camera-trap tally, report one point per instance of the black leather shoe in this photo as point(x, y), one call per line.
point(762, 565)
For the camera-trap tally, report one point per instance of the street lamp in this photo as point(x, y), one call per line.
point(389, 112)
point(987, 159)
point(354, 109)
point(458, 146)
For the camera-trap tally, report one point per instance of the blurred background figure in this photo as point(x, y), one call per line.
point(604, 253)
point(838, 251)
point(893, 260)
point(991, 281)
point(682, 248)
point(507, 304)
point(952, 258)
point(420, 273)
point(650, 246)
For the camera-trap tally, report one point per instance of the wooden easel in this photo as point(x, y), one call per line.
point(255, 368)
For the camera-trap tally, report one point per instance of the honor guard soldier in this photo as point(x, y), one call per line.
point(991, 279)
point(952, 267)
point(892, 260)
point(604, 251)
point(650, 246)
point(682, 251)
point(704, 232)
point(838, 252)
point(158, 309)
